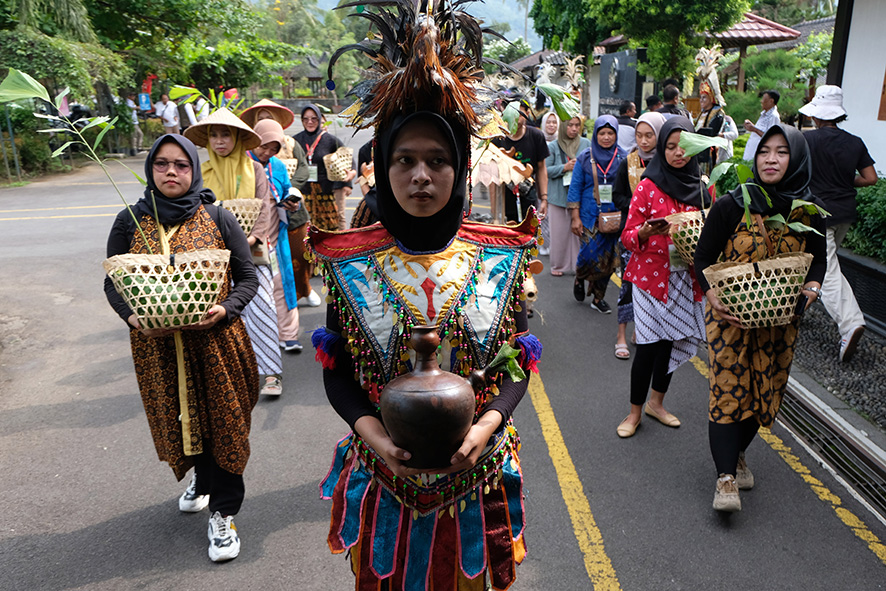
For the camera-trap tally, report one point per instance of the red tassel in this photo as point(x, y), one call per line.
point(502, 570)
point(337, 518)
point(444, 554)
point(366, 578)
point(325, 359)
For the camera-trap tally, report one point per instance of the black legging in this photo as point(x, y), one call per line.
point(225, 489)
point(728, 440)
point(650, 365)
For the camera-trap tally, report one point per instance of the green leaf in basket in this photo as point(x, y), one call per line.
point(811, 208)
point(775, 220)
point(718, 171)
point(693, 143)
point(744, 173)
point(801, 227)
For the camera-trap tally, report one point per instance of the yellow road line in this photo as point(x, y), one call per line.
point(848, 518)
point(62, 217)
point(590, 540)
point(58, 208)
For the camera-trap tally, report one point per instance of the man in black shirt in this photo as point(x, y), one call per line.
point(671, 107)
point(531, 148)
point(836, 157)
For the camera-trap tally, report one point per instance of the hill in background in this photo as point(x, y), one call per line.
point(492, 11)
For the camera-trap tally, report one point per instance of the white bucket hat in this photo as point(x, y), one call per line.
point(827, 104)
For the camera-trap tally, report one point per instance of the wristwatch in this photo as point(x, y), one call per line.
point(815, 290)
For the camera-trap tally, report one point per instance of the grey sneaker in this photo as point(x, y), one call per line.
point(744, 478)
point(190, 501)
point(224, 542)
point(726, 497)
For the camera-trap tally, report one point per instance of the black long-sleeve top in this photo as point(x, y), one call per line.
point(242, 270)
point(351, 403)
point(720, 225)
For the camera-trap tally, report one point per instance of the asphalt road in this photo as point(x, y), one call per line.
point(85, 503)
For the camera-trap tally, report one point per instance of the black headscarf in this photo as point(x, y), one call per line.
point(431, 233)
point(173, 211)
point(793, 185)
point(312, 135)
point(683, 184)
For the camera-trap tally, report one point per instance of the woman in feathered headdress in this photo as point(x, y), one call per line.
point(408, 527)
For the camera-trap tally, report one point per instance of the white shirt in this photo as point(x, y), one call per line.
point(189, 111)
point(202, 109)
point(767, 119)
point(131, 104)
point(169, 114)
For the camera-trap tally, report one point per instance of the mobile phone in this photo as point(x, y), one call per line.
point(657, 222)
point(801, 305)
point(293, 197)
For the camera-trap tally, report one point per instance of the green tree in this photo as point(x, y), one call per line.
point(814, 57)
point(501, 50)
point(670, 29)
point(768, 69)
point(58, 18)
point(791, 12)
point(568, 23)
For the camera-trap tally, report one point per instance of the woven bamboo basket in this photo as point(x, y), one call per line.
point(245, 210)
point(169, 291)
point(291, 166)
point(761, 294)
point(339, 163)
point(685, 230)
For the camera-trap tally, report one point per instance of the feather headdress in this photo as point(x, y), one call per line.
point(425, 56)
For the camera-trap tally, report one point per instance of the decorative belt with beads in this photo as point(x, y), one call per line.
point(425, 493)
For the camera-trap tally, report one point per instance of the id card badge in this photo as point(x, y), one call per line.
point(677, 262)
point(605, 193)
point(312, 173)
point(567, 178)
point(275, 266)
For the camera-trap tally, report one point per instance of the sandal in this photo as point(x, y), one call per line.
point(273, 386)
point(557, 273)
point(622, 351)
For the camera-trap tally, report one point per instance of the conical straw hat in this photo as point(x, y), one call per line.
point(281, 114)
point(199, 133)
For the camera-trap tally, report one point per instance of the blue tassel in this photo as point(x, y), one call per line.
point(513, 483)
point(357, 487)
point(531, 349)
point(387, 530)
point(327, 487)
point(472, 537)
point(418, 557)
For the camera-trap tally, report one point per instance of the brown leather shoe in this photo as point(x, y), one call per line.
point(666, 419)
point(626, 429)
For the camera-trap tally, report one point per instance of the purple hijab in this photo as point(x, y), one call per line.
point(602, 156)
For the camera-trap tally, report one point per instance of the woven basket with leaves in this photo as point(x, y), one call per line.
point(291, 166)
point(245, 210)
point(339, 163)
point(761, 294)
point(685, 230)
point(169, 291)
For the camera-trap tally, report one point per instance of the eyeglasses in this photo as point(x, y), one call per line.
point(181, 166)
point(309, 119)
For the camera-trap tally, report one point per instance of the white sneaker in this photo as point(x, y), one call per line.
point(190, 501)
point(312, 300)
point(744, 478)
point(224, 542)
point(849, 343)
point(726, 496)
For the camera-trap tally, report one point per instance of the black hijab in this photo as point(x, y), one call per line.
point(173, 211)
point(312, 135)
point(683, 184)
point(431, 233)
point(793, 185)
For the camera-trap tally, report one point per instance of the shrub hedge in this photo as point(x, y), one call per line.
point(867, 236)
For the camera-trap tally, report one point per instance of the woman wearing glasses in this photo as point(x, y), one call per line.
point(325, 199)
point(222, 376)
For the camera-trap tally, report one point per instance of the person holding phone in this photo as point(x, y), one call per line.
point(668, 309)
point(287, 199)
point(750, 367)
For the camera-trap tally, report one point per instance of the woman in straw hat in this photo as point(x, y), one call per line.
point(840, 164)
point(293, 156)
point(232, 174)
point(325, 199)
point(222, 384)
point(750, 367)
point(443, 527)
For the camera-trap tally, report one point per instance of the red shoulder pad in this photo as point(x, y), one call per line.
point(337, 245)
point(493, 235)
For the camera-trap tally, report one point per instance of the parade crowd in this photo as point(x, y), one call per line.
point(412, 256)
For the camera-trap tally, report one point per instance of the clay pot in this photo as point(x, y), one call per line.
point(429, 411)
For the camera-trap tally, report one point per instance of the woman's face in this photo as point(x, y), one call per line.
point(674, 154)
point(551, 124)
point(221, 140)
point(705, 101)
point(422, 171)
point(263, 114)
point(172, 170)
point(645, 137)
point(606, 137)
point(772, 160)
point(310, 121)
point(573, 128)
point(265, 151)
